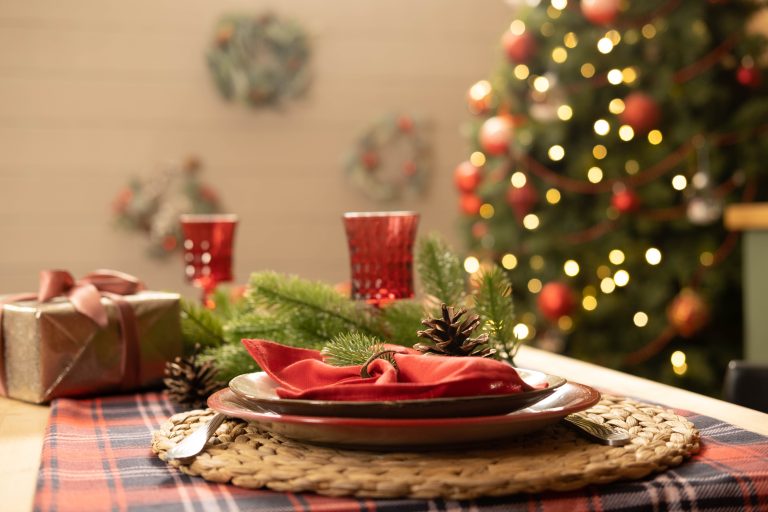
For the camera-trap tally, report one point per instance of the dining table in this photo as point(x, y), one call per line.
point(35, 445)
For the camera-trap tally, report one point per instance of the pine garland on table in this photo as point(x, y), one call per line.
point(312, 314)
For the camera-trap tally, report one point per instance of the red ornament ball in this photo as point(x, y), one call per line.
point(556, 299)
point(409, 168)
point(600, 12)
point(470, 204)
point(625, 201)
point(641, 112)
point(495, 134)
point(479, 229)
point(522, 199)
point(749, 76)
point(518, 47)
point(466, 177)
point(688, 312)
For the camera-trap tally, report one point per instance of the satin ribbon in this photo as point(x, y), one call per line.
point(85, 296)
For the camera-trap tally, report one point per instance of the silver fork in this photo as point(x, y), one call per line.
point(195, 442)
point(603, 434)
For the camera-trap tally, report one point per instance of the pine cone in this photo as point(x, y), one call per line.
point(450, 336)
point(190, 382)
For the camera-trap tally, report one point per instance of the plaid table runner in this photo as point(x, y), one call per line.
point(97, 456)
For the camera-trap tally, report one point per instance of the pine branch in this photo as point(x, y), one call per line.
point(440, 270)
point(200, 325)
point(226, 307)
point(493, 303)
point(258, 326)
point(313, 307)
point(231, 360)
point(351, 349)
point(402, 319)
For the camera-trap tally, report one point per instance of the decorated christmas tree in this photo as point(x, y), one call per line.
point(603, 152)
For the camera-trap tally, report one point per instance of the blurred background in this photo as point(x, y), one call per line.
point(94, 93)
point(583, 146)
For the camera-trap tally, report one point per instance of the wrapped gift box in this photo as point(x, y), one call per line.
point(53, 351)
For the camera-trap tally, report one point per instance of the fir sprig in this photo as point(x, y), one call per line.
point(493, 302)
point(316, 309)
point(201, 326)
point(231, 359)
point(402, 319)
point(351, 349)
point(440, 270)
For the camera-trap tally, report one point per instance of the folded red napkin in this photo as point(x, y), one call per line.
point(302, 374)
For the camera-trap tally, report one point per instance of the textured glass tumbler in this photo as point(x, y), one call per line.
point(381, 254)
point(208, 244)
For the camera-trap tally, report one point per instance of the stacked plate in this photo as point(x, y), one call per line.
point(405, 424)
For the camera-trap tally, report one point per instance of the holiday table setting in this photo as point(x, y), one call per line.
point(370, 396)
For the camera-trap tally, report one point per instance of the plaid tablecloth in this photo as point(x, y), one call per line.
point(97, 456)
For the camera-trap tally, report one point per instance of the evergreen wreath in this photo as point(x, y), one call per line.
point(387, 177)
point(259, 60)
point(152, 204)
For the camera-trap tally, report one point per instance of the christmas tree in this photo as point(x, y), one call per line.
point(603, 152)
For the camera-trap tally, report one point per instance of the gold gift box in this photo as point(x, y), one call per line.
point(52, 351)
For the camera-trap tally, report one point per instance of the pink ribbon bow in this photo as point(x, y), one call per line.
point(85, 295)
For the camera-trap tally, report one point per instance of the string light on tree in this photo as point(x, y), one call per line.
point(653, 256)
point(479, 97)
point(679, 366)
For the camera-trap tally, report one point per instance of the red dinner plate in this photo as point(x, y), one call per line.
point(387, 433)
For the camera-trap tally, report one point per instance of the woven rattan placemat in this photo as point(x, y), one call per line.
point(555, 458)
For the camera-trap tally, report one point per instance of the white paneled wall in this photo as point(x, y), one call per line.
point(93, 91)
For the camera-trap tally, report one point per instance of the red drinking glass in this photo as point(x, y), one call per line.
point(381, 254)
point(208, 243)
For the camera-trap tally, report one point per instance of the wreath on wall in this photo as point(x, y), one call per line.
point(390, 159)
point(152, 204)
point(259, 60)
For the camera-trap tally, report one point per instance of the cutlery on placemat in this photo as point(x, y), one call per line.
point(603, 434)
point(195, 442)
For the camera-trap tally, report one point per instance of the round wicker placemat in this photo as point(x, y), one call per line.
point(555, 458)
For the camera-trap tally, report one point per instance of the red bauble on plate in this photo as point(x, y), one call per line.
point(470, 204)
point(556, 299)
point(518, 47)
point(688, 312)
point(625, 201)
point(495, 135)
point(749, 76)
point(600, 12)
point(522, 199)
point(641, 112)
point(466, 177)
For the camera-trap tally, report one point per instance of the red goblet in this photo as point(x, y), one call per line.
point(381, 254)
point(208, 241)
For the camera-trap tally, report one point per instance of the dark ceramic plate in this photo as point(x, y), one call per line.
point(258, 389)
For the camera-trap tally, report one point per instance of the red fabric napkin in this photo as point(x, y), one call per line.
point(302, 374)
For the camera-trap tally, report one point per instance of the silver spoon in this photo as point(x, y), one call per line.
point(195, 442)
point(597, 432)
